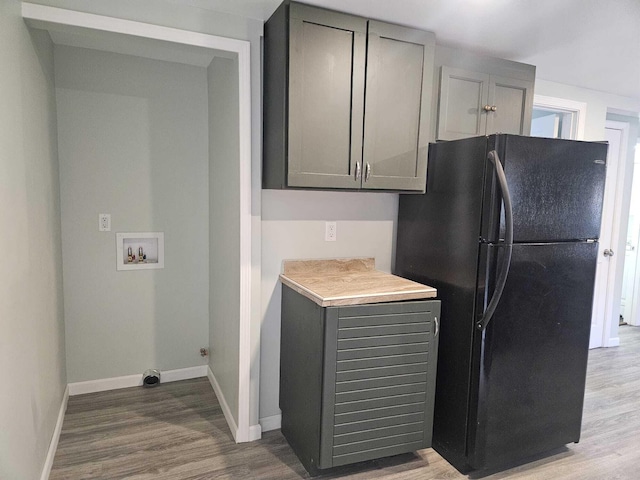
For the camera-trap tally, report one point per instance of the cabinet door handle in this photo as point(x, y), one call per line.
point(358, 171)
point(494, 108)
point(487, 108)
point(437, 324)
point(367, 172)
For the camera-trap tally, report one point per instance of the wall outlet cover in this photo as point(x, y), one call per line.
point(104, 222)
point(330, 232)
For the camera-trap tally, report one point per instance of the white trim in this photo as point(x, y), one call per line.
point(115, 383)
point(244, 367)
point(274, 422)
point(183, 374)
point(613, 342)
point(223, 404)
point(255, 432)
point(41, 16)
point(555, 103)
point(617, 265)
point(53, 446)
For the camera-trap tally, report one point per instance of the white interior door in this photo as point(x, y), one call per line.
point(628, 280)
point(603, 304)
point(630, 300)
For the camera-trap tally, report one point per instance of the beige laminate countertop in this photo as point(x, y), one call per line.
point(352, 281)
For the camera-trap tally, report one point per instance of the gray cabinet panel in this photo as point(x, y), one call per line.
point(375, 433)
point(325, 106)
point(511, 98)
point(382, 412)
point(381, 382)
point(378, 423)
point(383, 340)
point(366, 445)
point(381, 351)
point(363, 456)
point(398, 98)
point(360, 363)
point(370, 404)
point(462, 97)
point(380, 392)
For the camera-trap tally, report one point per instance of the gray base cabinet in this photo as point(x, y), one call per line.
point(347, 101)
point(356, 382)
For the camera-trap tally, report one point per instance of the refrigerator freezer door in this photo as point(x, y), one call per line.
point(556, 186)
point(530, 363)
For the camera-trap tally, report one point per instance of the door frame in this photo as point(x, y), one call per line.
point(45, 17)
point(634, 319)
point(610, 295)
point(579, 109)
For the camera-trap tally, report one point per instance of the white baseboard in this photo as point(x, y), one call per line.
point(271, 423)
point(613, 342)
point(223, 404)
point(184, 374)
point(255, 432)
point(53, 446)
point(114, 383)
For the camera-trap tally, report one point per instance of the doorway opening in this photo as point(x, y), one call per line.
point(145, 163)
point(557, 118)
point(630, 300)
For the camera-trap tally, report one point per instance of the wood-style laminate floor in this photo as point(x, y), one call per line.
point(177, 431)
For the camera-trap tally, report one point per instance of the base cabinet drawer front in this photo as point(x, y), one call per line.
point(356, 382)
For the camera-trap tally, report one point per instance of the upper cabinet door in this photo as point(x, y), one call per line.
point(511, 106)
point(397, 107)
point(463, 96)
point(327, 52)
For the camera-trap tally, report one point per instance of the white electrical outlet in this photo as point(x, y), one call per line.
point(330, 232)
point(104, 222)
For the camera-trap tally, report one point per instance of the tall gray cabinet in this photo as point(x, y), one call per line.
point(482, 95)
point(347, 101)
point(356, 382)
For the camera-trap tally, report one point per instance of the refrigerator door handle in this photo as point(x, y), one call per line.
point(508, 242)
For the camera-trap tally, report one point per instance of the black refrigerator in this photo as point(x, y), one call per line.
point(507, 231)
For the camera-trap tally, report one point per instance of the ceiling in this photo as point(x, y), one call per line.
point(588, 43)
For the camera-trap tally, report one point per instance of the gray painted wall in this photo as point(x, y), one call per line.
point(132, 143)
point(293, 226)
point(31, 306)
point(224, 228)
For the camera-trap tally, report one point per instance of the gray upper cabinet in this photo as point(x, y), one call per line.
point(398, 102)
point(320, 130)
point(463, 95)
point(482, 95)
point(326, 97)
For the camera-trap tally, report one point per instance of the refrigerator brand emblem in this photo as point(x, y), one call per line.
point(599, 162)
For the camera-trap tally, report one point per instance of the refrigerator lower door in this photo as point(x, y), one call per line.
point(531, 361)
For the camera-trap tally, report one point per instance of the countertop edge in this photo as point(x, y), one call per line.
point(417, 294)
